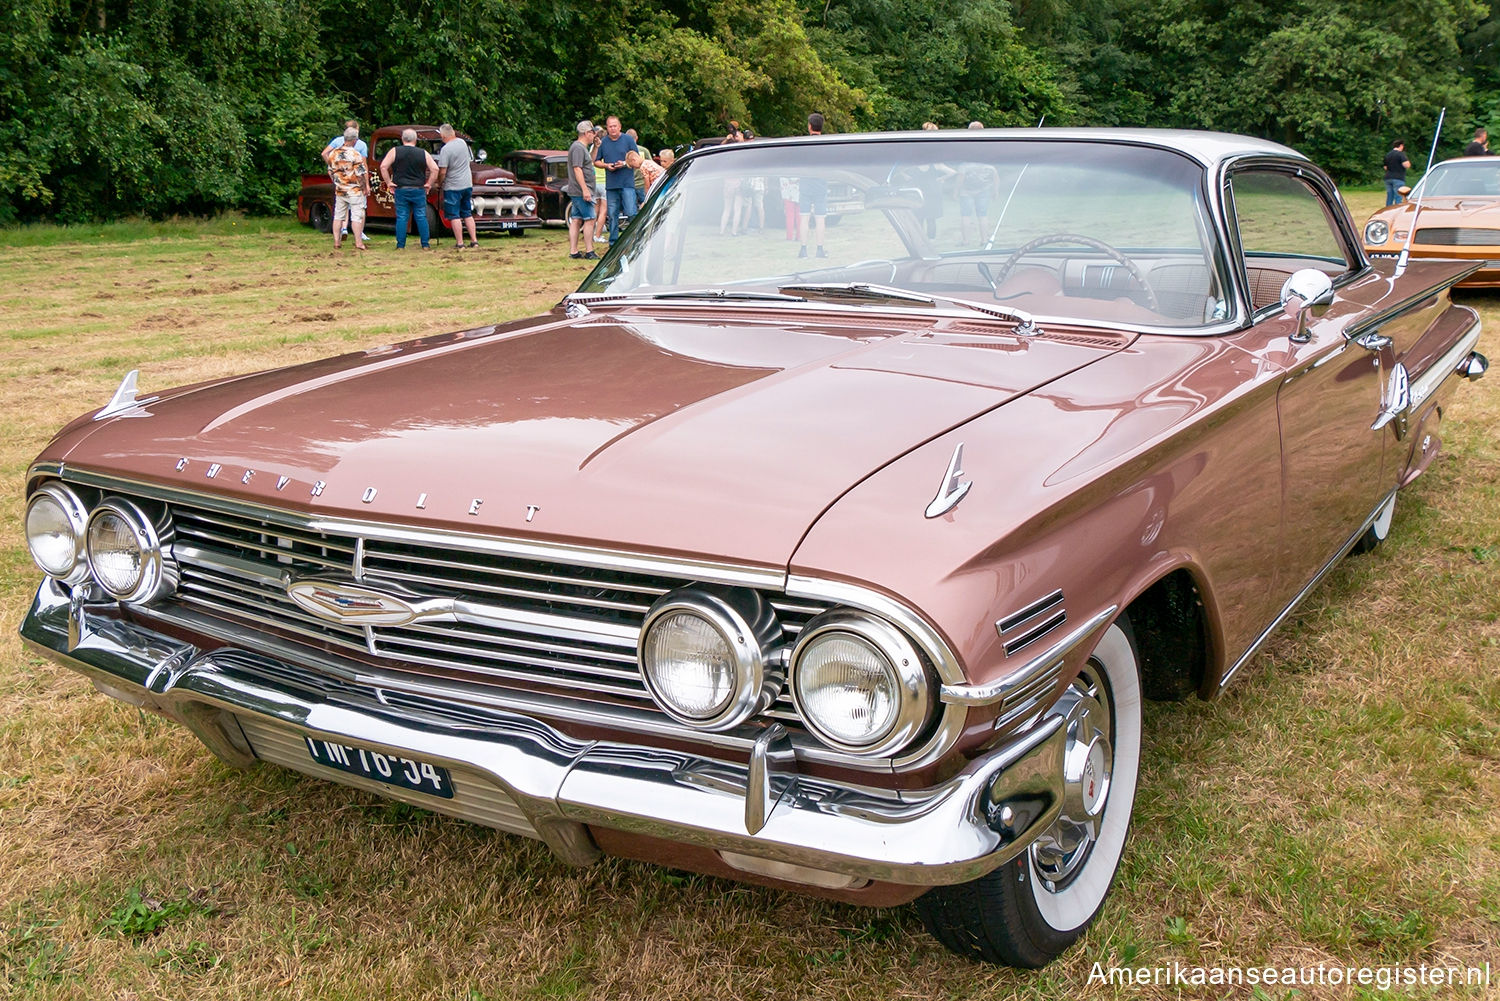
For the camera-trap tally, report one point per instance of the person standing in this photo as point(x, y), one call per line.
point(813, 203)
point(458, 185)
point(351, 188)
point(1479, 145)
point(619, 183)
point(409, 172)
point(1396, 166)
point(338, 141)
point(579, 188)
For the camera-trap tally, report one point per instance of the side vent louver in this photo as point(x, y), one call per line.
point(1031, 623)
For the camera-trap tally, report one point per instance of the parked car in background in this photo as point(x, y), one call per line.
point(846, 573)
point(500, 204)
point(1459, 219)
point(544, 171)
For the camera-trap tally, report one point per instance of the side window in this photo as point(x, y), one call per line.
point(383, 147)
point(1284, 225)
point(527, 170)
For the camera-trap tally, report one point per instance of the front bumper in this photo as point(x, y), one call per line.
point(517, 773)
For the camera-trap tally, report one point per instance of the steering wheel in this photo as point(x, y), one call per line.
point(1131, 268)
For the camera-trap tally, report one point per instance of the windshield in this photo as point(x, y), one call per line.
point(1094, 231)
point(1465, 179)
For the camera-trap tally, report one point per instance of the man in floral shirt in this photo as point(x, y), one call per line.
point(351, 186)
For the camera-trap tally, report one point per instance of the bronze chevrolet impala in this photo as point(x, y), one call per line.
point(845, 570)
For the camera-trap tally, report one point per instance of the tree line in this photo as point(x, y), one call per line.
point(153, 107)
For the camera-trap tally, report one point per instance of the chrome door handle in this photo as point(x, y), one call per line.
point(1373, 341)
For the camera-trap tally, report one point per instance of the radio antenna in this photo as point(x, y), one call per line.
point(1411, 232)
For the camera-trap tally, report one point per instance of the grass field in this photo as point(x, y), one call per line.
point(1338, 806)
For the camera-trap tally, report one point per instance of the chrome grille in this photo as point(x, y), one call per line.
point(575, 626)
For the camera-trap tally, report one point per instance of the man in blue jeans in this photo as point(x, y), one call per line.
point(579, 188)
point(1396, 166)
point(409, 172)
point(619, 178)
point(453, 162)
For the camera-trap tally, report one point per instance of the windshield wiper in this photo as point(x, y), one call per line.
point(577, 303)
point(867, 292)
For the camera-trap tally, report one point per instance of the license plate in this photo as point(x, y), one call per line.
point(418, 776)
point(508, 225)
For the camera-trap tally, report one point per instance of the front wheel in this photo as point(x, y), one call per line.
point(1030, 910)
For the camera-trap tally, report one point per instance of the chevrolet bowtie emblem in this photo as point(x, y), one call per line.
point(358, 604)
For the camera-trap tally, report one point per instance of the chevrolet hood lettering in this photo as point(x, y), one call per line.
point(357, 604)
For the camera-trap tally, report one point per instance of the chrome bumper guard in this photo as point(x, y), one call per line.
point(958, 830)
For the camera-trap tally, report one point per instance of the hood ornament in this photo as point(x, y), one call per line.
point(953, 489)
point(124, 401)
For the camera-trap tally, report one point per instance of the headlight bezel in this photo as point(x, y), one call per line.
point(528, 204)
point(76, 513)
point(1379, 226)
point(915, 691)
point(158, 572)
point(753, 636)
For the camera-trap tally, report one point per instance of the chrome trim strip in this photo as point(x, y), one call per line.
point(1032, 610)
point(604, 559)
point(952, 832)
point(1020, 679)
point(1306, 590)
point(1035, 633)
point(1386, 315)
point(1424, 385)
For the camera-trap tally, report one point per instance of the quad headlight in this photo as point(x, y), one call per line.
point(711, 658)
point(125, 552)
point(1377, 231)
point(859, 683)
point(528, 204)
point(55, 523)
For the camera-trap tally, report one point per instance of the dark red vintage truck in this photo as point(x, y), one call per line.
point(500, 204)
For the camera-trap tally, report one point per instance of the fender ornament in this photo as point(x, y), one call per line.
point(953, 489)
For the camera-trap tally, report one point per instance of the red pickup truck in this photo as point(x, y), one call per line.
point(500, 204)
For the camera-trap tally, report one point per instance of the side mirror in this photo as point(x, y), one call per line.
point(1404, 190)
point(482, 155)
point(1304, 289)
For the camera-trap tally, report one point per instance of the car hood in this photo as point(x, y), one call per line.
point(1440, 212)
point(682, 432)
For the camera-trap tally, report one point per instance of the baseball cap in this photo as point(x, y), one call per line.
point(585, 126)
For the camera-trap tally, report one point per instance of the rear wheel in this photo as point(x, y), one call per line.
point(433, 222)
point(321, 217)
point(1379, 528)
point(1030, 910)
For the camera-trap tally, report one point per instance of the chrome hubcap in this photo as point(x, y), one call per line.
point(1088, 764)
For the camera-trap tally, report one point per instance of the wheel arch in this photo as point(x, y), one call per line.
point(1176, 627)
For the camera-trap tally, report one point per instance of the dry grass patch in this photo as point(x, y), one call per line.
point(1337, 806)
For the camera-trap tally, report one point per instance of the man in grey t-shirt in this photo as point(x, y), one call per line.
point(579, 188)
point(458, 185)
